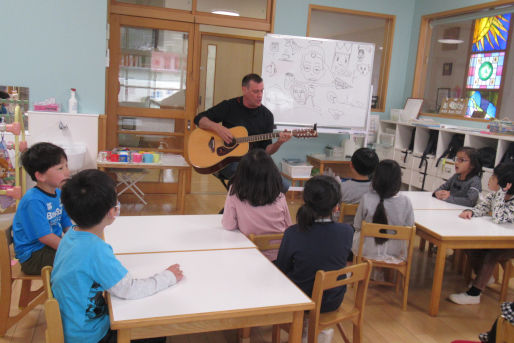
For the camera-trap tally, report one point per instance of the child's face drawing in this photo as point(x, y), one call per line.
point(312, 65)
point(341, 61)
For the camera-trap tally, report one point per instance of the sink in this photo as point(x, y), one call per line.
point(76, 153)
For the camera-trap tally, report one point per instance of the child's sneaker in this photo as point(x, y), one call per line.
point(464, 299)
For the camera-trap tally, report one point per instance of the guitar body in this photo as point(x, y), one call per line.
point(208, 153)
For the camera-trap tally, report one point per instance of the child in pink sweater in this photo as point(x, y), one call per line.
point(254, 202)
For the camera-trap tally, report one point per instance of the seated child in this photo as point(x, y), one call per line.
point(254, 202)
point(465, 186)
point(501, 205)
point(317, 242)
point(363, 164)
point(85, 265)
point(40, 218)
point(384, 205)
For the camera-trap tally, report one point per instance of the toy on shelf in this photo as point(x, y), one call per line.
point(12, 177)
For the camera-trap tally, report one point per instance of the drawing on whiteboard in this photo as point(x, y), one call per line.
point(310, 79)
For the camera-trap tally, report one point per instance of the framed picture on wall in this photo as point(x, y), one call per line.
point(447, 69)
point(442, 93)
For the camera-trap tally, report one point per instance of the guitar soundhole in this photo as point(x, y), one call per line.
point(212, 144)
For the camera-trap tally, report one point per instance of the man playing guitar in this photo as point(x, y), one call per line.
point(246, 111)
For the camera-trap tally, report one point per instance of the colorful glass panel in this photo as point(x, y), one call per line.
point(491, 33)
point(485, 70)
point(482, 101)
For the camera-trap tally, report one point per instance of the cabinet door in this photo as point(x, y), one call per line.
point(150, 85)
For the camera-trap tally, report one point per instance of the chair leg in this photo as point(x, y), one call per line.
point(507, 270)
point(422, 242)
point(5, 306)
point(244, 335)
point(357, 333)
point(341, 331)
point(275, 335)
point(26, 295)
point(406, 279)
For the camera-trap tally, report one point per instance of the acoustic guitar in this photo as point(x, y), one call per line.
point(208, 153)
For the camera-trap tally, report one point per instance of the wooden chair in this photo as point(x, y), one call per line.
point(264, 243)
point(8, 274)
point(508, 273)
point(359, 277)
point(347, 210)
point(54, 332)
point(405, 233)
point(267, 242)
point(504, 331)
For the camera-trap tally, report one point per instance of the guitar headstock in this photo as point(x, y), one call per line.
point(306, 133)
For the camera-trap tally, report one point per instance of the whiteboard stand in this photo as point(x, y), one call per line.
point(368, 117)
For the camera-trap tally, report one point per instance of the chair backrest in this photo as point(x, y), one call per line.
point(405, 233)
point(267, 242)
point(5, 255)
point(347, 210)
point(358, 276)
point(54, 332)
point(504, 331)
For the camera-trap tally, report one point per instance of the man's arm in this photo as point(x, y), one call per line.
point(282, 138)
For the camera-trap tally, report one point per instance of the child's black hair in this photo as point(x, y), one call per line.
point(364, 161)
point(88, 196)
point(474, 161)
point(505, 174)
point(257, 179)
point(320, 194)
point(40, 157)
point(386, 181)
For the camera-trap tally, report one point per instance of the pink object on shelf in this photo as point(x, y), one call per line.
point(137, 157)
point(47, 108)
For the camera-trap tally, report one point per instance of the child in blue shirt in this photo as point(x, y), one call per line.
point(85, 266)
point(40, 218)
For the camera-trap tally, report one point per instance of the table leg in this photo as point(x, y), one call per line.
point(181, 191)
point(124, 336)
point(437, 284)
point(295, 330)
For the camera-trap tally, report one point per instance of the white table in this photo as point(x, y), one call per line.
point(150, 234)
point(221, 290)
point(446, 229)
point(425, 201)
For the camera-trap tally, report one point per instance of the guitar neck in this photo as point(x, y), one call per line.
point(256, 138)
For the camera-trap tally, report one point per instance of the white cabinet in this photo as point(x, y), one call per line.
point(410, 142)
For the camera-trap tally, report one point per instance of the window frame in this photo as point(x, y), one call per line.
point(385, 63)
point(422, 57)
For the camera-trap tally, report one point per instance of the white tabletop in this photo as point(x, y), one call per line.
point(219, 280)
point(425, 201)
point(448, 224)
point(140, 234)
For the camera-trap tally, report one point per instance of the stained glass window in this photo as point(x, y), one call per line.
point(485, 70)
point(486, 64)
point(491, 33)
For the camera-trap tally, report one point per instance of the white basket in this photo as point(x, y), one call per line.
point(302, 170)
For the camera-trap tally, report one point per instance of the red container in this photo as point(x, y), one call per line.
point(115, 157)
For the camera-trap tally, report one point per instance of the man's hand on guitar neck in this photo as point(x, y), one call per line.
point(224, 133)
point(283, 137)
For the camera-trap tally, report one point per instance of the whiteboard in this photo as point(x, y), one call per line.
point(312, 80)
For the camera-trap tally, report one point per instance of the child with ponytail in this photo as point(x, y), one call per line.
point(316, 242)
point(383, 205)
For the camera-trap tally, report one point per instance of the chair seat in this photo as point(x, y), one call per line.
point(19, 275)
point(345, 311)
point(377, 263)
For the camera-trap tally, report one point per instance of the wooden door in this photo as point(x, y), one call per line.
point(230, 59)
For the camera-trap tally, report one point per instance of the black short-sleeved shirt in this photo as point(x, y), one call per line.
point(232, 113)
point(325, 246)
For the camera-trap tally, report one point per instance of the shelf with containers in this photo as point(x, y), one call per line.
point(410, 142)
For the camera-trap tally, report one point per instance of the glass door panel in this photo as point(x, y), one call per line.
point(153, 68)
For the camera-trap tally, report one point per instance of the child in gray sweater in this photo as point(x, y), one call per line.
point(465, 186)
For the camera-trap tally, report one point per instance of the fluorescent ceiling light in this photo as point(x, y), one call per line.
point(225, 12)
point(450, 41)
